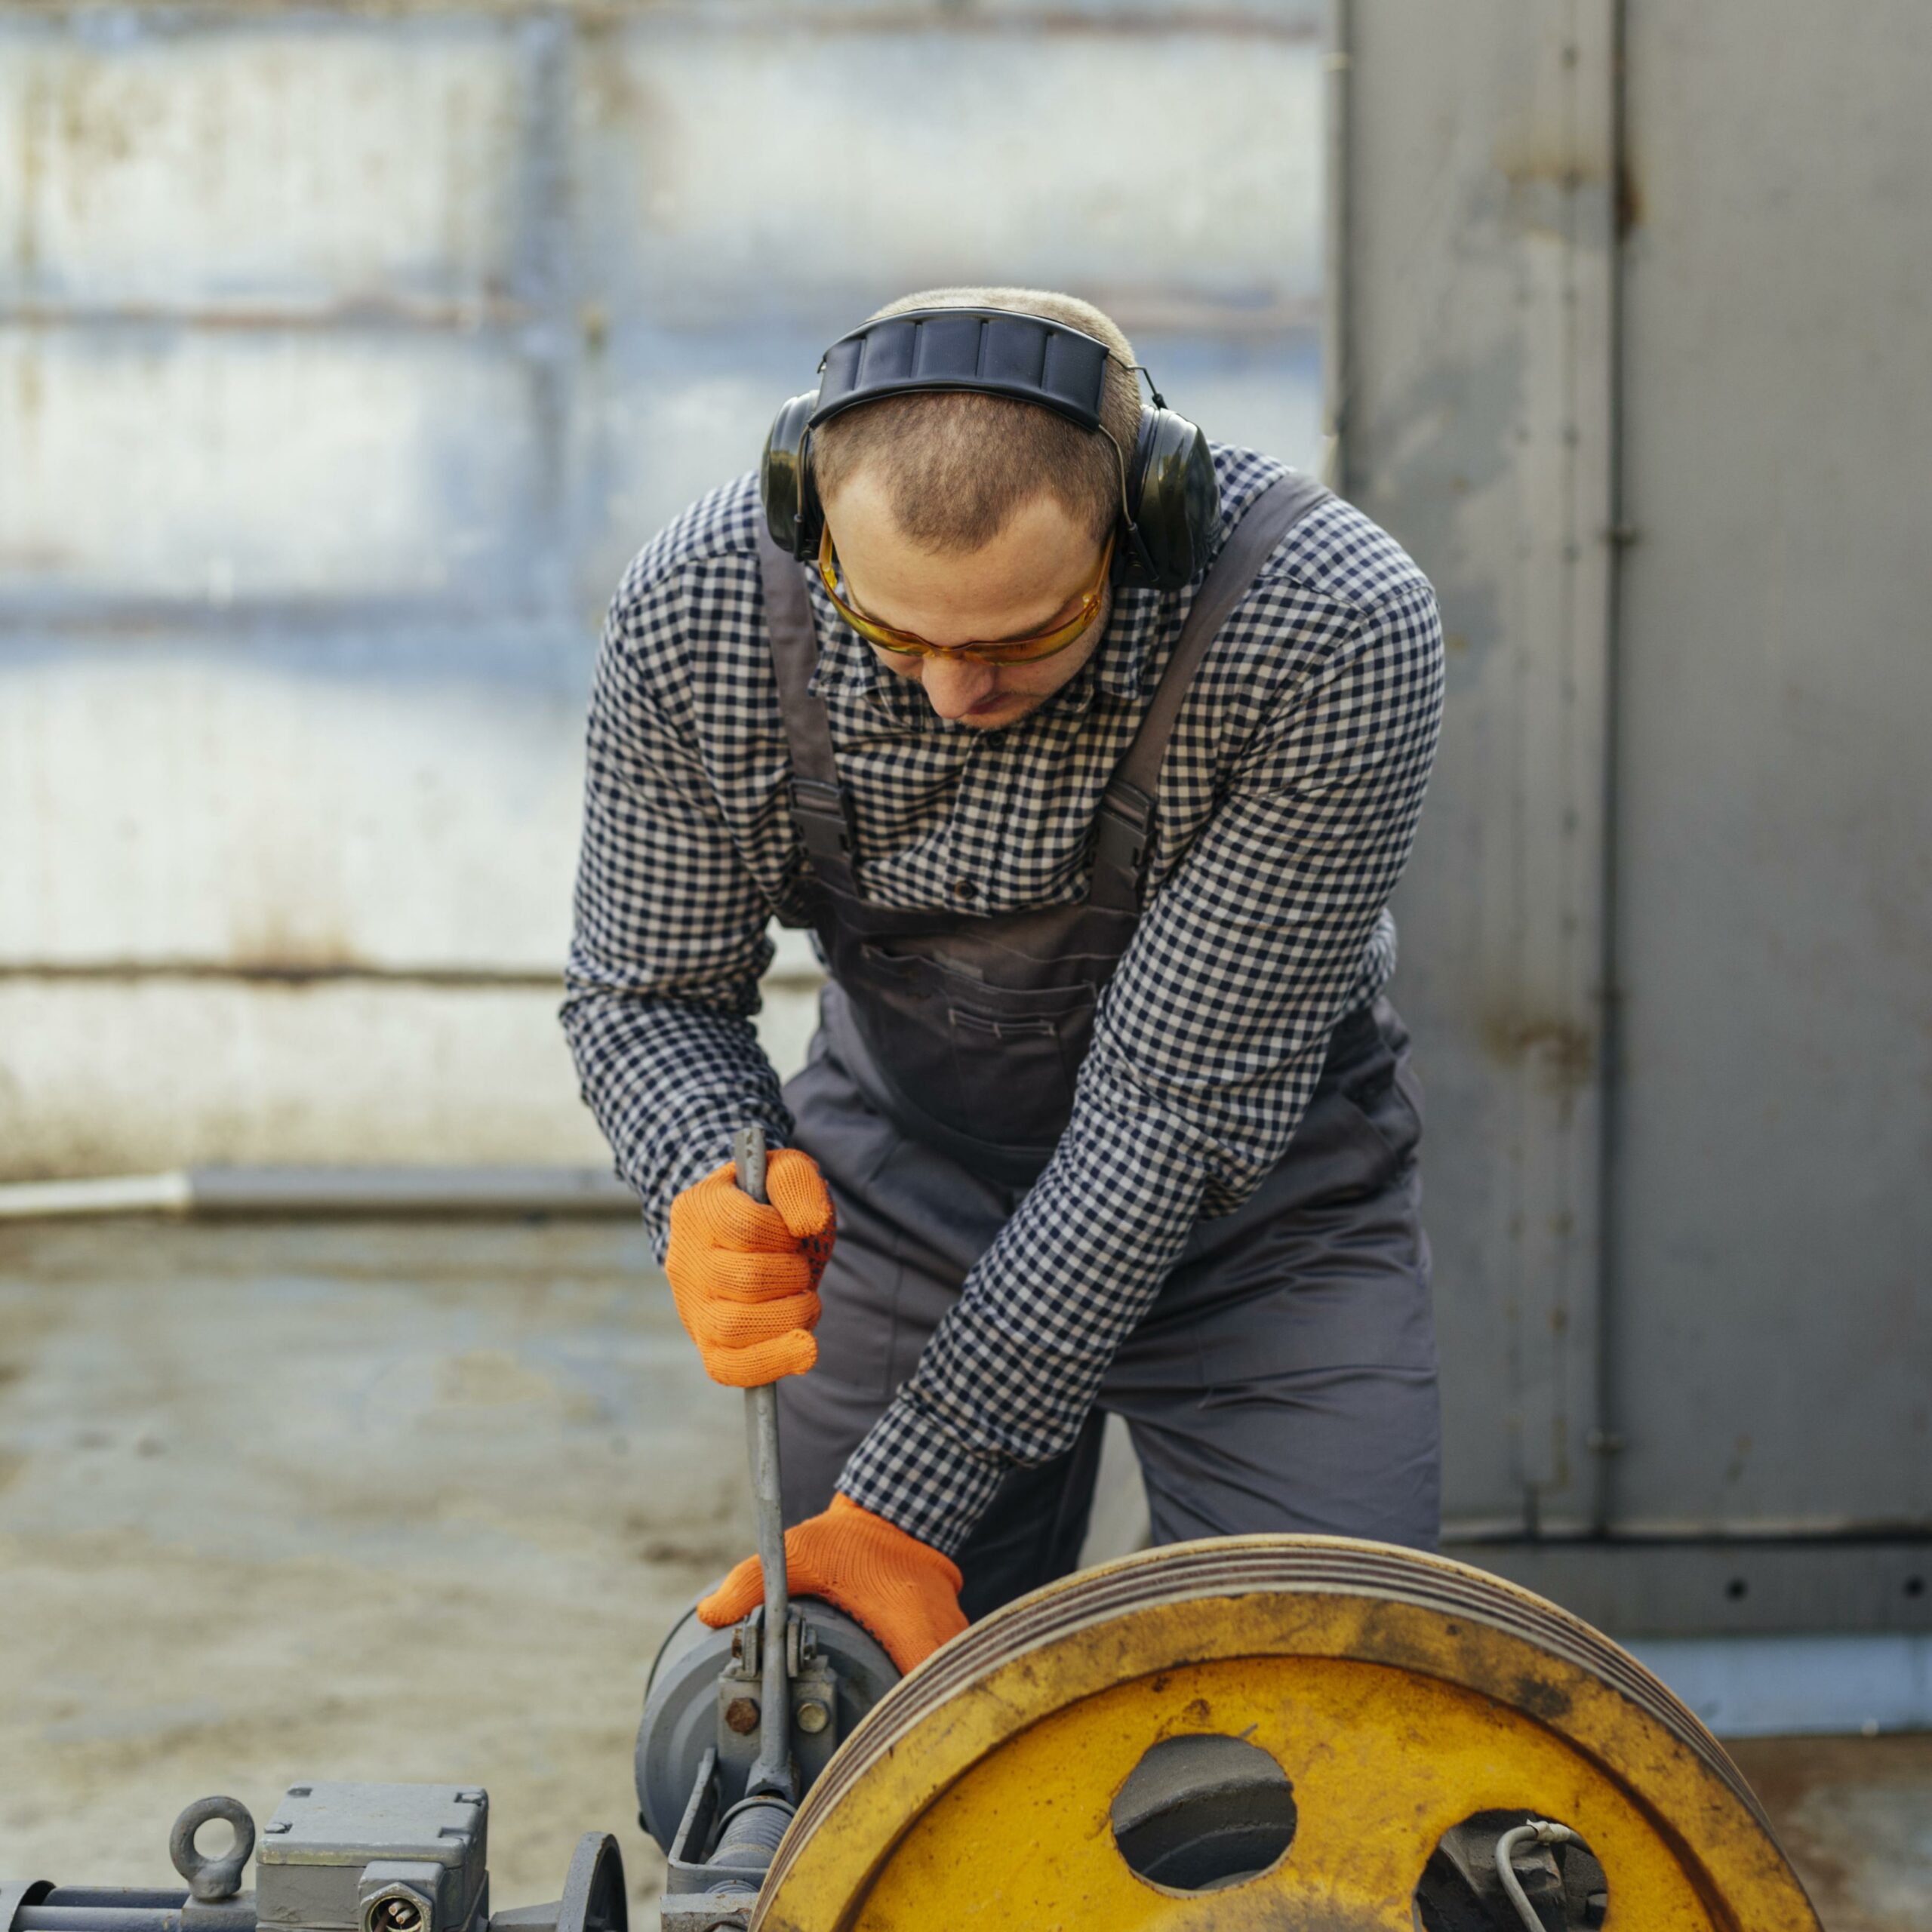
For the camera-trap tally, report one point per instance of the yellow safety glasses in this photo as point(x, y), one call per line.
point(1002, 650)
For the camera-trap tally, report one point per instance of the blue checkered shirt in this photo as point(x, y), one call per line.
point(1287, 804)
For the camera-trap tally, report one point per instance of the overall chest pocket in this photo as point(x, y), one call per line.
point(1014, 1071)
point(996, 1062)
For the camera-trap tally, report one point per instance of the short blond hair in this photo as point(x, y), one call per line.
point(956, 465)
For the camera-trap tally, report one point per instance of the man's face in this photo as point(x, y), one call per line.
point(1030, 577)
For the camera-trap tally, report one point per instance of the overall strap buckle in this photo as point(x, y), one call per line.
point(826, 821)
point(1123, 837)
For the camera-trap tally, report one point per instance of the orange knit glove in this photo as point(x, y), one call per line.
point(901, 1589)
point(745, 1275)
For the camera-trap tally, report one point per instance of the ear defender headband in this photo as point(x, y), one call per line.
point(1170, 503)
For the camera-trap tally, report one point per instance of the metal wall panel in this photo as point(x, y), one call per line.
point(162, 465)
point(1472, 394)
point(144, 1071)
point(271, 804)
point(223, 166)
point(347, 354)
point(821, 159)
point(1772, 1335)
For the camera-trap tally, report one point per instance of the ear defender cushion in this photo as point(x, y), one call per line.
point(784, 479)
point(1177, 499)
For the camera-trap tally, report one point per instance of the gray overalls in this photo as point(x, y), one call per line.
point(1284, 1377)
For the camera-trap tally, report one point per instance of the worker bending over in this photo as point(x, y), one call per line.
point(1090, 755)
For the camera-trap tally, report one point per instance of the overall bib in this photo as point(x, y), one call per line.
point(1284, 1377)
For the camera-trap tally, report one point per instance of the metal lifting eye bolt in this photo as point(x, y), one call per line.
point(212, 1878)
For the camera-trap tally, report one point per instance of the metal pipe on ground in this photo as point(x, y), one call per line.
point(94, 1919)
point(291, 1191)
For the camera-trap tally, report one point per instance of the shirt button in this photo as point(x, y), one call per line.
point(965, 889)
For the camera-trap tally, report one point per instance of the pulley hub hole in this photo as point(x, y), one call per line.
point(1461, 1889)
point(1200, 1813)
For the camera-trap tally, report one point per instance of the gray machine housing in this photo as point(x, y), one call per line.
point(333, 1854)
point(697, 1745)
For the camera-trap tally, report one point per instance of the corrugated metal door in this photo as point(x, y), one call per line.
point(1772, 1180)
point(1633, 359)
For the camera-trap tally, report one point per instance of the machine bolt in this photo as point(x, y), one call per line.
point(812, 1717)
point(395, 1915)
point(741, 1714)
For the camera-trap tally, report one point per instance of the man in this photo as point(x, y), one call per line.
point(1093, 790)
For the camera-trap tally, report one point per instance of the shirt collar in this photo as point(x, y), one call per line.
point(1120, 665)
point(846, 665)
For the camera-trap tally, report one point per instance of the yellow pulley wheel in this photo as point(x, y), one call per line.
point(1304, 1732)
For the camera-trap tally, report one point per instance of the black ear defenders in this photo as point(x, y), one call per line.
point(1171, 502)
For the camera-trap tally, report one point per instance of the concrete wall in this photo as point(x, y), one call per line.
point(346, 353)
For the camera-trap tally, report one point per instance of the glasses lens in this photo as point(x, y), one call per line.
point(1006, 650)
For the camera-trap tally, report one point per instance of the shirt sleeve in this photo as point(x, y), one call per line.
point(670, 938)
point(1208, 1042)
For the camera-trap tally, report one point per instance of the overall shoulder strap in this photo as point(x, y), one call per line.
point(820, 806)
point(1125, 831)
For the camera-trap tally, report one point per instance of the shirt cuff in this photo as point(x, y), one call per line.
point(910, 1471)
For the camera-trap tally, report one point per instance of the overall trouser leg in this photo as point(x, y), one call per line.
point(1283, 1379)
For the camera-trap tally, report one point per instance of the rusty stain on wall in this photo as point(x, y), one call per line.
point(1630, 198)
point(1565, 1052)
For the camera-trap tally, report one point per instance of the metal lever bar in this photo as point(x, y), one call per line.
point(773, 1770)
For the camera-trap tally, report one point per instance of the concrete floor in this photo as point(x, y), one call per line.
point(394, 1501)
point(1854, 1815)
point(416, 1501)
